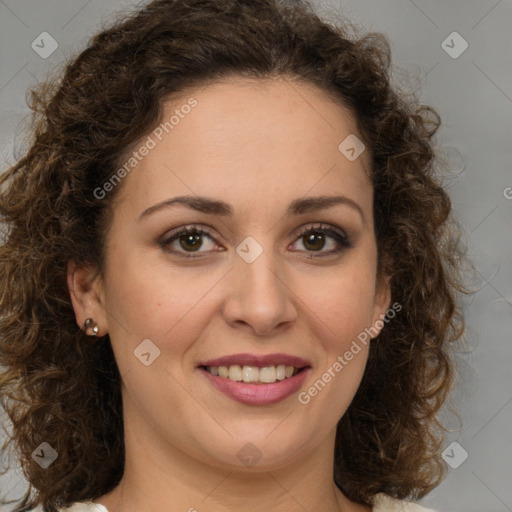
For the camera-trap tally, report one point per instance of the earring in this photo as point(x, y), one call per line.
point(91, 327)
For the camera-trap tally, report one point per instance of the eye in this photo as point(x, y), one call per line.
point(316, 238)
point(187, 240)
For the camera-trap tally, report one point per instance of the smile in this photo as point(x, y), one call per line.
point(256, 379)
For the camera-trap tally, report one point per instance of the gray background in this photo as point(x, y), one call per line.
point(473, 94)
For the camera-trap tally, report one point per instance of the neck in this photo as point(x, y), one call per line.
point(170, 480)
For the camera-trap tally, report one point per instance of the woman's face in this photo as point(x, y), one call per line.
point(250, 160)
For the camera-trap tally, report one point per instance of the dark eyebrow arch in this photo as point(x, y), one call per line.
point(216, 207)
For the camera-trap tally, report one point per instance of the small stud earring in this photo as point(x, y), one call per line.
point(91, 327)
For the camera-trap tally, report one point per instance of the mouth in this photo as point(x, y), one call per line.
point(256, 380)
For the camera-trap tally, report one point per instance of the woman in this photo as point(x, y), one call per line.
point(229, 272)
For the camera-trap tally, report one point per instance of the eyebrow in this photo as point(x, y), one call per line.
point(217, 207)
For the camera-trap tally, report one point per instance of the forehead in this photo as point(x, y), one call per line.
point(245, 139)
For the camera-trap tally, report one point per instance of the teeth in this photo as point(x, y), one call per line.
point(254, 374)
point(268, 374)
point(235, 372)
point(249, 373)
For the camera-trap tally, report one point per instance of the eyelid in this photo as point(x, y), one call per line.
point(202, 228)
point(321, 226)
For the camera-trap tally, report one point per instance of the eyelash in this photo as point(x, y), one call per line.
point(340, 238)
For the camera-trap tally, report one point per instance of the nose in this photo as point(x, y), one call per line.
point(258, 296)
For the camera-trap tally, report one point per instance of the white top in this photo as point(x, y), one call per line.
point(381, 503)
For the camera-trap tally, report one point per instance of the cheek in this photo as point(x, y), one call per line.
point(341, 302)
point(157, 301)
point(338, 314)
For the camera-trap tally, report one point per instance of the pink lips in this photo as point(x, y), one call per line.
point(258, 394)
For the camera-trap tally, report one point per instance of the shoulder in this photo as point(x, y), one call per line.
point(79, 507)
point(381, 503)
point(385, 503)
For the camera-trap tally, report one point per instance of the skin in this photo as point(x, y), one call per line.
point(257, 145)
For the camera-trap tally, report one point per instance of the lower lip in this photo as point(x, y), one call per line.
point(258, 394)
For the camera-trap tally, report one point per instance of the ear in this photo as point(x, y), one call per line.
point(86, 290)
point(381, 303)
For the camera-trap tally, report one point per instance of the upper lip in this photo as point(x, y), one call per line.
point(257, 360)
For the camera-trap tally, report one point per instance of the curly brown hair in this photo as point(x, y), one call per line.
point(55, 386)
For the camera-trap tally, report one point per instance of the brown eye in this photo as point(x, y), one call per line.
point(186, 241)
point(191, 241)
point(316, 238)
point(314, 241)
